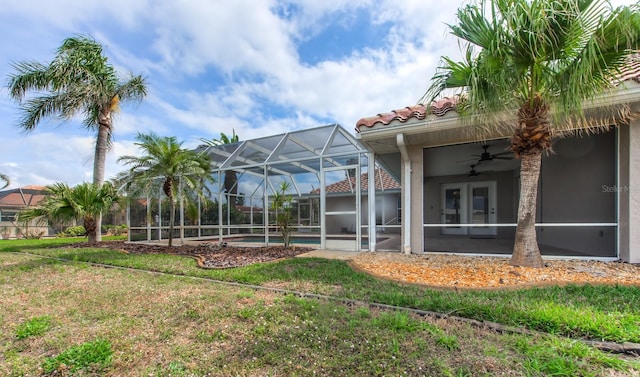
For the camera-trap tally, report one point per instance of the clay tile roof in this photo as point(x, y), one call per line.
point(383, 182)
point(419, 112)
point(34, 187)
point(442, 106)
point(632, 70)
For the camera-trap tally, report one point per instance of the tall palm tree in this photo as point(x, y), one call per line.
point(230, 176)
point(530, 66)
point(77, 80)
point(85, 202)
point(164, 163)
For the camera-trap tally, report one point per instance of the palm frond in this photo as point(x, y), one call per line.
point(163, 159)
point(36, 109)
point(29, 75)
point(474, 27)
point(566, 52)
point(134, 88)
point(63, 203)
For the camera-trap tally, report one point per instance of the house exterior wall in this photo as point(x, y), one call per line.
point(387, 212)
point(338, 224)
point(633, 191)
point(11, 229)
point(628, 190)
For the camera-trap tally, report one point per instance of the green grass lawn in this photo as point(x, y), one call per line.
point(66, 315)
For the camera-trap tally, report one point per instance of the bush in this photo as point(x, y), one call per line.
point(73, 231)
point(115, 230)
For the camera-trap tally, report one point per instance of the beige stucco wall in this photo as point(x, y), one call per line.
point(629, 192)
point(416, 187)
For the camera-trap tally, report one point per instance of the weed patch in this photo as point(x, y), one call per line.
point(34, 327)
point(91, 356)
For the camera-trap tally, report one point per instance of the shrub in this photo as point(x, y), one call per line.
point(115, 230)
point(73, 231)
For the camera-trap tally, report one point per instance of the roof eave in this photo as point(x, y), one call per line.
point(381, 137)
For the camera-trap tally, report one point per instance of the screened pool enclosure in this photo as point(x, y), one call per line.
point(239, 205)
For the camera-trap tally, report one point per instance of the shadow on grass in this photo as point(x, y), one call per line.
point(33, 263)
point(22, 245)
point(46, 257)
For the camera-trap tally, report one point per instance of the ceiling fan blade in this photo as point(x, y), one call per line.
point(502, 158)
point(502, 153)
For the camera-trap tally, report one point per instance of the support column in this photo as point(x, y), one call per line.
point(159, 217)
point(629, 192)
point(371, 201)
point(406, 193)
point(129, 221)
point(323, 208)
point(220, 226)
point(147, 216)
point(181, 205)
point(417, 200)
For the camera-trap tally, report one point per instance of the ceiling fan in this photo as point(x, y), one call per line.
point(486, 156)
point(473, 172)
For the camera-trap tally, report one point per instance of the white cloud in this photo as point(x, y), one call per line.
point(242, 34)
point(67, 13)
point(221, 66)
point(52, 157)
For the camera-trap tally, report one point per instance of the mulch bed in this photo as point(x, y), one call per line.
point(453, 271)
point(208, 254)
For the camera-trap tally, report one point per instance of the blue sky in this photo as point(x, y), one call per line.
point(261, 67)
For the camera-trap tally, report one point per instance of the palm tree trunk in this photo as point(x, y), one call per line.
point(525, 250)
point(99, 160)
point(89, 226)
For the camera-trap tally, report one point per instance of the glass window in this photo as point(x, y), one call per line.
point(8, 216)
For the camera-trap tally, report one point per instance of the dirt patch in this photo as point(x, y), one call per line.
point(452, 271)
point(208, 254)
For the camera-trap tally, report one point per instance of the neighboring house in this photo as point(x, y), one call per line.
point(14, 201)
point(339, 197)
point(462, 196)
